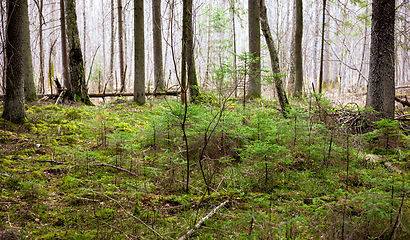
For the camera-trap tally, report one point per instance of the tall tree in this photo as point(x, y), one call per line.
point(111, 81)
point(121, 46)
point(157, 42)
point(298, 49)
point(76, 63)
point(381, 86)
point(41, 82)
point(283, 100)
point(139, 75)
point(323, 46)
point(255, 86)
point(190, 47)
point(64, 56)
point(14, 100)
point(29, 86)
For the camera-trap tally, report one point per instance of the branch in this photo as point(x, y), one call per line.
point(198, 225)
point(118, 168)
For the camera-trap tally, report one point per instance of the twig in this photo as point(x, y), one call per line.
point(198, 225)
point(51, 161)
point(118, 168)
point(129, 214)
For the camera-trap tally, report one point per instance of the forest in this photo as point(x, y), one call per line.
point(219, 119)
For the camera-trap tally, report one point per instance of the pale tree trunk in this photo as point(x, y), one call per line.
point(292, 67)
point(157, 42)
point(381, 89)
point(190, 47)
point(121, 46)
point(235, 76)
point(139, 62)
point(283, 100)
point(103, 36)
point(14, 109)
point(315, 47)
point(76, 63)
point(255, 86)
point(41, 82)
point(29, 86)
point(323, 47)
point(111, 81)
point(64, 56)
point(298, 49)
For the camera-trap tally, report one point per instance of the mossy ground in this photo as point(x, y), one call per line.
point(280, 178)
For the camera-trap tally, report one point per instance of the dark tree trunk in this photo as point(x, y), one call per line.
point(29, 86)
point(323, 47)
point(64, 56)
point(381, 86)
point(76, 63)
point(14, 101)
point(111, 80)
point(157, 42)
point(190, 47)
point(139, 75)
point(298, 49)
point(184, 52)
point(255, 86)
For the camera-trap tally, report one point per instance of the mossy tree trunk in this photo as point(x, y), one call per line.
point(76, 63)
point(283, 100)
point(255, 86)
point(29, 86)
point(139, 75)
point(14, 101)
point(190, 47)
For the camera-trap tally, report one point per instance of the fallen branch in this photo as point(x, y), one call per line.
point(118, 168)
point(198, 225)
point(404, 102)
point(51, 161)
point(129, 214)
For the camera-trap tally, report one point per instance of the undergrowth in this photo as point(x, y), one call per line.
point(118, 171)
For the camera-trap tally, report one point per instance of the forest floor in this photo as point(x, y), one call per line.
point(118, 171)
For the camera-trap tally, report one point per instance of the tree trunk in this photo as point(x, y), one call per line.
point(323, 46)
point(157, 42)
point(235, 75)
point(14, 109)
point(381, 88)
point(76, 64)
point(29, 86)
point(298, 49)
point(255, 86)
point(190, 47)
point(292, 67)
point(111, 81)
point(41, 82)
point(85, 38)
point(139, 75)
point(184, 52)
point(283, 100)
point(121, 46)
point(66, 76)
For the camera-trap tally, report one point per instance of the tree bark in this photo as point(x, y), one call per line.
point(298, 49)
point(323, 46)
point(255, 86)
point(76, 63)
point(190, 47)
point(283, 100)
point(121, 46)
point(64, 56)
point(111, 81)
point(157, 42)
point(14, 110)
point(139, 75)
point(184, 53)
point(292, 65)
point(41, 82)
point(381, 86)
point(29, 86)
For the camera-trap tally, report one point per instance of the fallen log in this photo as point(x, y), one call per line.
point(404, 102)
